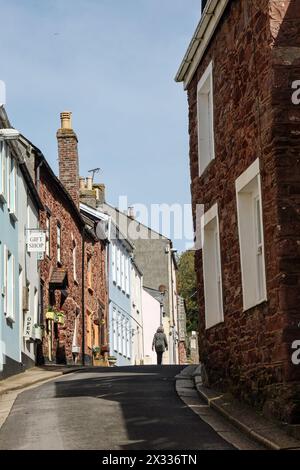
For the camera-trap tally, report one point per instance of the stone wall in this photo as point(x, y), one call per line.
point(248, 352)
point(62, 212)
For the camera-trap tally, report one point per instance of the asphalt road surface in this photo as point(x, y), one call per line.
point(126, 408)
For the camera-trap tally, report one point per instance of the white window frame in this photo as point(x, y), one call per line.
point(113, 263)
point(128, 340)
point(127, 273)
point(58, 242)
point(212, 268)
point(115, 329)
point(12, 185)
point(205, 119)
point(118, 267)
point(74, 258)
point(252, 250)
point(123, 272)
point(90, 271)
point(3, 166)
point(9, 284)
point(48, 233)
point(119, 330)
point(36, 305)
point(123, 323)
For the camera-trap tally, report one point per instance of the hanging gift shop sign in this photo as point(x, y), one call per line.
point(36, 241)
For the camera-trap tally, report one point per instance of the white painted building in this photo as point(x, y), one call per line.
point(137, 331)
point(29, 280)
point(19, 277)
point(173, 328)
point(151, 321)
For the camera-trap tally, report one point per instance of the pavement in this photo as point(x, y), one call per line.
point(126, 408)
point(244, 420)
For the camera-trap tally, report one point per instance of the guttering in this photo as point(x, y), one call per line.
point(209, 21)
point(94, 212)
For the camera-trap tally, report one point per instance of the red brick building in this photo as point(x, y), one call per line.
point(73, 273)
point(239, 73)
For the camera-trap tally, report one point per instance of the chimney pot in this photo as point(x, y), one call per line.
point(89, 183)
point(66, 120)
point(82, 183)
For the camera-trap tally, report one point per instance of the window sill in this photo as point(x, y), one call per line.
point(201, 173)
point(13, 216)
point(257, 304)
point(221, 322)
point(10, 319)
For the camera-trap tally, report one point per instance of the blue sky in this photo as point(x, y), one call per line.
point(112, 63)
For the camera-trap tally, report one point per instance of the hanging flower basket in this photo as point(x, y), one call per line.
point(96, 351)
point(38, 332)
point(60, 318)
point(50, 315)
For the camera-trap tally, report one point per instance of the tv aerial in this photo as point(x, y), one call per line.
point(94, 171)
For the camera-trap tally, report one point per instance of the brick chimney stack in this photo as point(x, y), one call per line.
point(68, 156)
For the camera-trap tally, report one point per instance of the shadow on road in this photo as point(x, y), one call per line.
point(152, 413)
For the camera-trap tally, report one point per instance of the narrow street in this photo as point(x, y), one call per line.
point(127, 408)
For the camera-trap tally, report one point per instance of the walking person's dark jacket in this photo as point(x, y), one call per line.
point(160, 343)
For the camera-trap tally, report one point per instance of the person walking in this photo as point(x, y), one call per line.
point(160, 344)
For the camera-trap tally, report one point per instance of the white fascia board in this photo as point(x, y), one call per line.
point(252, 171)
point(210, 19)
point(94, 212)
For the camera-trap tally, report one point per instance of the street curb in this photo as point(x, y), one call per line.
point(54, 374)
point(15, 388)
point(30, 382)
point(238, 424)
point(258, 429)
point(256, 435)
point(187, 392)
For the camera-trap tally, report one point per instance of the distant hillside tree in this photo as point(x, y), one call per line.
point(187, 288)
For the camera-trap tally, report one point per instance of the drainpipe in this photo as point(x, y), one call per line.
point(83, 297)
